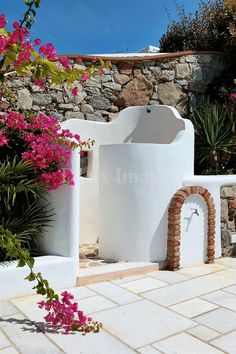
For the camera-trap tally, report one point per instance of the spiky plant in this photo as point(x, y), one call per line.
point(23, 207)
point(215, 136)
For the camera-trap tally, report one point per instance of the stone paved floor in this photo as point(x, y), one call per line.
point(192, 311)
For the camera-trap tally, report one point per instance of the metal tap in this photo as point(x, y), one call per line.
point(195, 211)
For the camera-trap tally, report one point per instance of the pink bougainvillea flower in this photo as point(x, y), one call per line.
point(3, 139)
point(41, 304)
point(94, 59)
point(14, 37)
point(53, 179)
point(64, 61)
point(3, 44)
point(233, 95)
point(85, 76)
point(74, 91)
point(16, 25)
point(24, 55)
point(68, 177)
point(79, 59)
point(37, 42)
point(77, 137)
point(66, 313)
point(66, 297)
point(3, 21)
point(22, 31)
point(49, 51)
point(16, 121)
point(39, 83)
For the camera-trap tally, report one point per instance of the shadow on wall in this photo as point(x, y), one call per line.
point(156, 253)
point(153, 129)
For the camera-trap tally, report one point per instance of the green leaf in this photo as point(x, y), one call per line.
point(21, 263)
point(30, 277)
point(30, 262)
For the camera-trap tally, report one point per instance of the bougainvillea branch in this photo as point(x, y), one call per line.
point(61, 310)
point(18, 53)
point(29, 16)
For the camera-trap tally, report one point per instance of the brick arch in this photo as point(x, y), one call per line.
point(174, 226)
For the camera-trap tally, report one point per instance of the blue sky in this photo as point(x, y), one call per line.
point(105, 26)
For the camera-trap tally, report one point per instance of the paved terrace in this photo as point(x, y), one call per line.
point(186, 312)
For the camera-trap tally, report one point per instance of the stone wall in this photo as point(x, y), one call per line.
point(228, 218)
point(172, 79)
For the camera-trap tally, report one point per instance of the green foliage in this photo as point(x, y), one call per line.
point(215, 146)
point(23, 209)
point(209, 28)
point(29, 16)
point(14, 250)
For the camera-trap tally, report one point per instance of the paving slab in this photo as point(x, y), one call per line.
point(231, 289)
point(148, 349)
point(184, 343)
point(114, 293)
point(198, 271)
point(142, 285)
point(186, 290)
point(4, 342)
point(92, 343)
point(9, 350)
point(127, 279)
point(221, 320)
point(229, 262)
point(95, 304)
point(194, 307)
point(7, 308)
point(143, 322)
point(226, 342)
point(26, 337)
point(81, 292)
point(168, 277)
point(204, 333)
point(222, 298)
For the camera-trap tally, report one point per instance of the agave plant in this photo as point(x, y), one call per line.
point(215, 136)
point(23, 207)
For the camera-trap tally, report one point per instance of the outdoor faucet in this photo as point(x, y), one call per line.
point(195, 211)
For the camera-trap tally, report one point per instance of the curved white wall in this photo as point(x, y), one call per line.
point(132, 125)
point(137, 182)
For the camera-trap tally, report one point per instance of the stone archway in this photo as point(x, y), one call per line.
point(174, 226)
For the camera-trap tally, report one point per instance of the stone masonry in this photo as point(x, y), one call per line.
point(228, 218)
point(173, 79)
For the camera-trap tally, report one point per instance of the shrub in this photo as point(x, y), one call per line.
point(215, 146)
point(211, 27)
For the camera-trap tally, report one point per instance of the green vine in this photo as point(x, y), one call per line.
point(29, 16)
point(15, 251)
